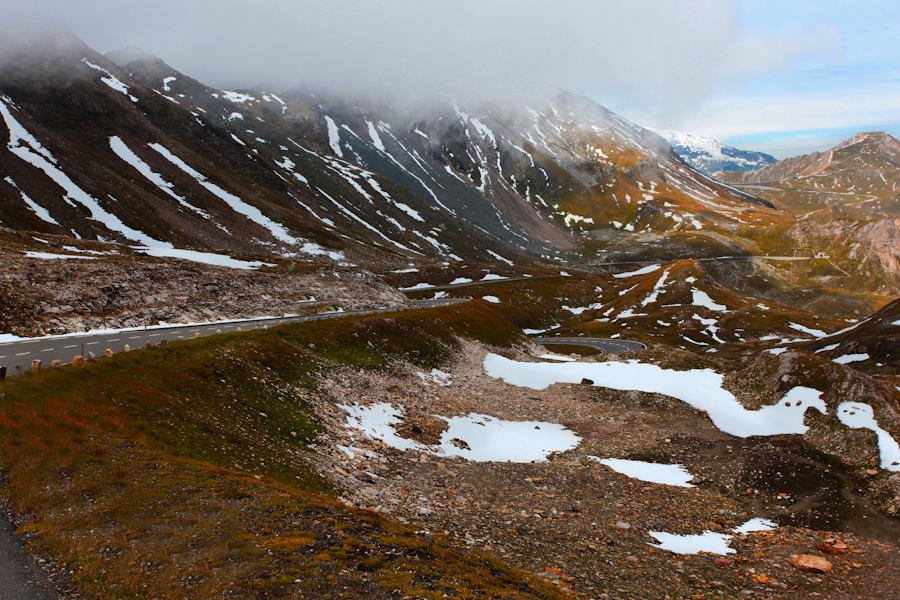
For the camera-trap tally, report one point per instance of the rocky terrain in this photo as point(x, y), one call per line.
point(748, 450)
point(846, 205)
point(42, 296)
point(585, 527)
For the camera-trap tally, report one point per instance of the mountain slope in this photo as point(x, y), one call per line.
point(126, 148)
point(860, 177)
point(847, 206)
point(711, 157)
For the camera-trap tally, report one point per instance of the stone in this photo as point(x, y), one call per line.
point(721, 561)
point(810, 563)
point(623, 525)
point(834, 546)
point(586, 381)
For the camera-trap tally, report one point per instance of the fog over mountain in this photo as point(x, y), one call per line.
point(382, 300)
point(407, 48)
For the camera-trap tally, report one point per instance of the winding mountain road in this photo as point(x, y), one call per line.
point(453, 286)
point(607, 345)
point(17, 356)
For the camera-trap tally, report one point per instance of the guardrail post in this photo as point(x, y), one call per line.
point(2, 373)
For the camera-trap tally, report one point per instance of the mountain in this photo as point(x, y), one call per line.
point(846, 200)
point(711, 157)
point(868, 163)
point(858, 178)
point(126, 148)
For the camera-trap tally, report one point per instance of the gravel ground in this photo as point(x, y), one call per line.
point(582, 525)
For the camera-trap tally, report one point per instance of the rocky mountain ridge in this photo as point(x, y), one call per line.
point(711, 157)
point(126, 148)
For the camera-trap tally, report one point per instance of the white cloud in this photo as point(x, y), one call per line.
point(671, 53)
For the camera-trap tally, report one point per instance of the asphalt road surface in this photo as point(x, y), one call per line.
point(607, 345)
point(20, 576)
point(453, 286)
point(18, 356)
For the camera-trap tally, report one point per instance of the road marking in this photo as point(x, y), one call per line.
point(113, 340)
point(91, 343)
point(23, 353)
point(72, 346)
point(155, 335)
point(134, 337)
point(48, 349)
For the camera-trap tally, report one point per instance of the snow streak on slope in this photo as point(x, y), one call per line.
point(110, 80)
point(42, 213)
point(251, 212)
point(25, 146)
point(334, 136)
point(126, 154)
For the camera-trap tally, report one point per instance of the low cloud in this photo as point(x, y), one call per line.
point(670, 54)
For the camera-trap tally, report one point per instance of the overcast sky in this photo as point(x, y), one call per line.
point(780, 76)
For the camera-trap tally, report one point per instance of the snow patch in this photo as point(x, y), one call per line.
point(701, 388)
point(641, 271)
point(207, 258)
point(701, 298)
point(49, 256)
point(849, 358)
point(858, 415)
point(673, 474)
point(475, 437)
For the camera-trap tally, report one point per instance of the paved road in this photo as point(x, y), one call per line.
point(605, 344)
point(596, 267)
point(65, 348)
point(20, 576)
point(452, 286)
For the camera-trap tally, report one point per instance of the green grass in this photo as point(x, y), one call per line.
point(184, 470)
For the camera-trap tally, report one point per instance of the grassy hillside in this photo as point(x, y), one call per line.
point(185, 470)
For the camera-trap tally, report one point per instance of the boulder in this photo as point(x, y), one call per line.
point(810, 563)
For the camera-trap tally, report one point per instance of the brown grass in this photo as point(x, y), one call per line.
point(172, 472)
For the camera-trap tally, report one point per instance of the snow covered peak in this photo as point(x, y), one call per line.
point(711, 156)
